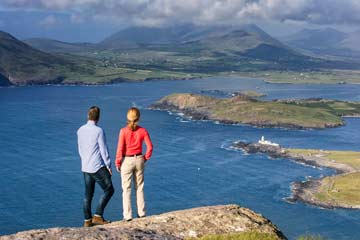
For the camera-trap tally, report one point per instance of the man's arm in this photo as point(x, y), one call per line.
point(78, 142)
point(104, 150)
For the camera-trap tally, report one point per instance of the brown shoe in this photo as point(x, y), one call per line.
point(88, 223)
point(97, 220)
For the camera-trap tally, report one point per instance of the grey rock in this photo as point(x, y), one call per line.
point(173, 225)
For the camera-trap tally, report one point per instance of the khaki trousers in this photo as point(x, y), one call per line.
point(133, 167)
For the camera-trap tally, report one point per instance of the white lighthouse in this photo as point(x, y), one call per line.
point(266, 142)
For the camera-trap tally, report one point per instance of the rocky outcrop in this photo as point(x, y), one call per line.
point(279, 152)
point(3, 80)
point(173, 225)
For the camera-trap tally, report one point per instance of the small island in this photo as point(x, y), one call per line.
point(249, 93)
point(339, 191)
point(242, 109)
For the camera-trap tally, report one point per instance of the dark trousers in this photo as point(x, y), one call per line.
point(103, 178)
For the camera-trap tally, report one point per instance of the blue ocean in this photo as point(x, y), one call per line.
point(192, 164)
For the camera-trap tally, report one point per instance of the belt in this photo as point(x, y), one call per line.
point(134, 155)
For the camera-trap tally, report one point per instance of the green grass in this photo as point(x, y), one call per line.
point(108, 74)
point(340, 189)
point(350, 158)
point(239, 236)
point(339, 108)
point(311, 237)
point(165, 61)
point(253, 94)
point(253, 235)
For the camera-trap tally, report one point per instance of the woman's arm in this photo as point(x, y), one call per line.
point(120, 149)
point(149, 146)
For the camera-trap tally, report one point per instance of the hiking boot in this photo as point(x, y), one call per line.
point(97, 220)
point(88, 223)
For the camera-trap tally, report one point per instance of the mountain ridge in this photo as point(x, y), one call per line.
point(19, 60)
point(52, 45)
point(326, 41)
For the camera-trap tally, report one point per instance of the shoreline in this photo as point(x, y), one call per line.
point(121, 80)
point(304, 191)
point(186, 117)
point(108, 83)
point(317, 83)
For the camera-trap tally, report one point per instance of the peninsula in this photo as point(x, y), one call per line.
point(242, 109)
point(339, 191)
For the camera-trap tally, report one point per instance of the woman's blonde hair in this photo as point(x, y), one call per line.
point(133, 117)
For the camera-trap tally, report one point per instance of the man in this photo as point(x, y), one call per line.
point(95, 165)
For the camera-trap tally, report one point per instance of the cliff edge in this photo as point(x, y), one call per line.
point(183, 224)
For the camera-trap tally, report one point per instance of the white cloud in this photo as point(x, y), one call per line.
point(158, 12)
point(50, 21)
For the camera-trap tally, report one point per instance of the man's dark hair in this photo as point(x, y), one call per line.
point(94, 113)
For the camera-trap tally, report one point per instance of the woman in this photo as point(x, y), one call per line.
point(130, 162)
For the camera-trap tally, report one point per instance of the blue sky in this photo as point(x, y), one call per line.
point(93, 20)
point(25, 24)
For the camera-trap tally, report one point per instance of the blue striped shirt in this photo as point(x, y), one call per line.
point(92, 146)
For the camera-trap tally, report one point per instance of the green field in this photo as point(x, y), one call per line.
point(239, 236)
point(300, 77)
point(253, 94)
point(247, 53)
point(112, 74)
point(251, 236)
point(197, 61)
point(341, 189)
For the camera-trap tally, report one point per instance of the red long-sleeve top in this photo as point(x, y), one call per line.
point(130, 143)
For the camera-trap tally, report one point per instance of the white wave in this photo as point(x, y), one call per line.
point(184, 121)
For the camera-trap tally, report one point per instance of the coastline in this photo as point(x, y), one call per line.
point(263, 78)
point(334, 77)
point(307, 190)
point(101, 83)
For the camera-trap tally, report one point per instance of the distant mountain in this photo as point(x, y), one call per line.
point(135, 36)
point(184, 49)
point(326, 42)
point(316, 38)
point(235, 40)
point(352, 41)
point(244, 41)
point(203, 40)
point(216, 48)
point(49, 45)
point(21, 64)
